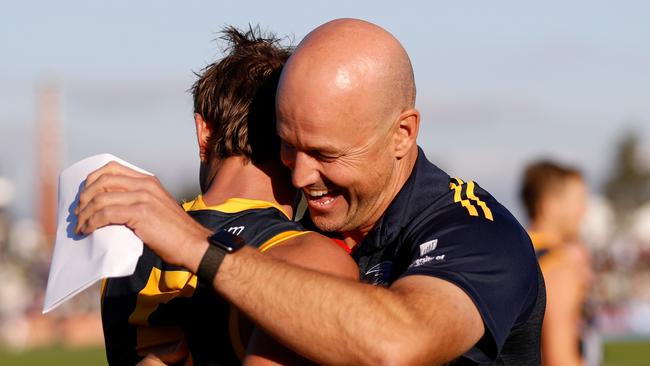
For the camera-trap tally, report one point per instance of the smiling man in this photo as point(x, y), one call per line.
point(450, 274)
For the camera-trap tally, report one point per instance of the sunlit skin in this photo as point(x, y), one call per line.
point(342, 138)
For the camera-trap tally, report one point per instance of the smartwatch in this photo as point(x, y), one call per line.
point(220, 243)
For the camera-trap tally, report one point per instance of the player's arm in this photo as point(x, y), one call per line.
point(311, 251)
point(565, 295)
point(331, 320)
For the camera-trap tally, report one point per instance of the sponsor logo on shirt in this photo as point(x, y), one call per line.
point(235, 230)
point(428, 246)
point(424, 260)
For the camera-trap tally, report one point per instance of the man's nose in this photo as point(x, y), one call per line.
point(304, 171)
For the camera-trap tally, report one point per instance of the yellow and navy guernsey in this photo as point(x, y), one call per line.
point(161, 304)
point(454, 230)
point(548, 253)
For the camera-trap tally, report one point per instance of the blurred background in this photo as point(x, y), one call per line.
point(500, 84)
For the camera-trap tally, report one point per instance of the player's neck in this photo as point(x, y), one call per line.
point(234, 177)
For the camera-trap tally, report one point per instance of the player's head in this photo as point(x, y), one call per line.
point(234, 101)
point(556, 195)
point(346, 116)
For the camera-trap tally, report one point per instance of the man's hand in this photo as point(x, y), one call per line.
point(115, 194)
point(169, 355)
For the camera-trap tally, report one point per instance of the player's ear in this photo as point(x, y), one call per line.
point(406, 132)
point(202, 136)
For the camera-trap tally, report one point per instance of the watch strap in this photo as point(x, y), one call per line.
point(210, 264)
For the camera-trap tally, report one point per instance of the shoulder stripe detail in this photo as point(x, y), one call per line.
point(161, 287)
point(283, 236)
point(470, 200)
point(464, 202)
point(470, 194)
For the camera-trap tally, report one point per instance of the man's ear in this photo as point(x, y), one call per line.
point(406, 132)
point(202, 136)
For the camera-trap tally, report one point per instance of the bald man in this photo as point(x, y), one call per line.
point(448, 273)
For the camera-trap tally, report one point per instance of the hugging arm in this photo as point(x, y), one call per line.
point(418, 320)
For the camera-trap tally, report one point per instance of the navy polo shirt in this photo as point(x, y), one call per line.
point(456, 231)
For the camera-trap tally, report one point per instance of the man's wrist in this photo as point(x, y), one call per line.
point(194, 252)
point(210, 263)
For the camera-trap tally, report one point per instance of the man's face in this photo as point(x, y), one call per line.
point(574, 198)
point(567, 206)
point(339, 159)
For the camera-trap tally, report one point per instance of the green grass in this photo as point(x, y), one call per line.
point(54, 356)
point(616, 353)
point(627, 353)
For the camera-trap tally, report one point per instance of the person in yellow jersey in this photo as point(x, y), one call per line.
point(163, 313)
point(555, 199)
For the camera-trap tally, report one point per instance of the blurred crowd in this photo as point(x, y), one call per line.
point(616, 230)
point(24, 266)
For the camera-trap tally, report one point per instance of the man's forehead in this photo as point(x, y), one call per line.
point(308, 135)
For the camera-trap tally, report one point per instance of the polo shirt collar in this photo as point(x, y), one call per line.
point(426, 183)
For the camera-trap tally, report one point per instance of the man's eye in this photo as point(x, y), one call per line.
point(322, 157)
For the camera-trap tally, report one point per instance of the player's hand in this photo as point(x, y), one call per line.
point(115, 194)
point(169, 355)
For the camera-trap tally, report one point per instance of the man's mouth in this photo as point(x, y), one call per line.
point(320, 198)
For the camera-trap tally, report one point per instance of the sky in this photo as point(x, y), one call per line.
point(500, 83)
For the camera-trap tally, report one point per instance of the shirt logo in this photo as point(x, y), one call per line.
point(380, 273)
point(424, 260)
point(428, 246)
point(235, 230)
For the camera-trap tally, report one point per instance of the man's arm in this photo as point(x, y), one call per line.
point(419, 320)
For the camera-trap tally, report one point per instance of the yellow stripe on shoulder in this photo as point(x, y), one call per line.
point(280, 238)
point(457, 185)
point(470, 194)
point(161, 287)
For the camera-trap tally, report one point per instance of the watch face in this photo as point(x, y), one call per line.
point(227, 241)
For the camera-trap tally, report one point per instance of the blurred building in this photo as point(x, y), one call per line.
point(48, 158)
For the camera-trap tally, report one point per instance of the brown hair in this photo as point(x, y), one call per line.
point(541, 177)
point(236, 95)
